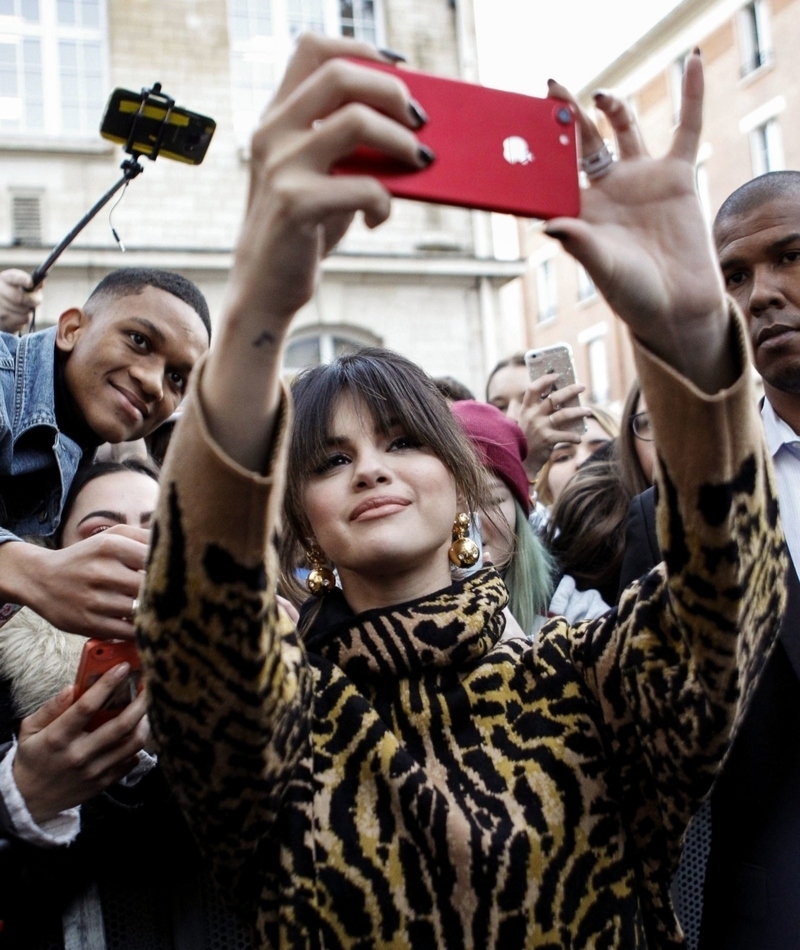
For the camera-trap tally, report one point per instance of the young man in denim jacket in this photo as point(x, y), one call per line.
point(111, 371)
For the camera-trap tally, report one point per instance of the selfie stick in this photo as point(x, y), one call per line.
point(130, 169)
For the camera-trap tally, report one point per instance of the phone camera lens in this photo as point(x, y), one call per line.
point(564, 115)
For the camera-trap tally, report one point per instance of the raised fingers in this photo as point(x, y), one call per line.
point(339, 82)
point(355, 124)
point(626, 130)
point(78, 716)
point(313, 50)
point(537, 389)
point(341, 196)
point(686, 141)
point(591, 139)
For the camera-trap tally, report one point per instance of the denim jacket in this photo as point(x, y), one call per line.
point(37, 462)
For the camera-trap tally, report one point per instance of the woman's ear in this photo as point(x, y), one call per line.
point(70, 324)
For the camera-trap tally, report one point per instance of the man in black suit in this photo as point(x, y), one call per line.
point(751, 898)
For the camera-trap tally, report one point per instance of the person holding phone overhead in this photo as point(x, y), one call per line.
point(397, 773)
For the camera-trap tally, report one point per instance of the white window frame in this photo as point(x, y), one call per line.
point(273, 52)
point(766, 148)
point(546, 288)
point(594, 339)
point(755, 40)
point(326, 333)
point(763, 129)
point(13, 29)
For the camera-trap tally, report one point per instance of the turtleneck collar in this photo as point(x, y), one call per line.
point(451, 627)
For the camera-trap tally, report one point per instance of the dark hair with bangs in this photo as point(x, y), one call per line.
point(395, 391)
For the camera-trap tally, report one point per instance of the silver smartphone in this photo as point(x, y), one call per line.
point(556, 359)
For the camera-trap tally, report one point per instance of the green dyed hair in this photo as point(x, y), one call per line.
point(529, 575)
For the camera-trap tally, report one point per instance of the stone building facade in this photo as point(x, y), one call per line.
point(426, 283)
point(751, 125)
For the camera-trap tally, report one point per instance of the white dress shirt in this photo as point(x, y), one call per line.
point(784, 447)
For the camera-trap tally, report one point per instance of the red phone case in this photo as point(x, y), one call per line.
point(97, 658)
point(498, 151)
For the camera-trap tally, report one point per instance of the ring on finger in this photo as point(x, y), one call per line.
point(134, 610)
point(552, 406)
point(598, 163)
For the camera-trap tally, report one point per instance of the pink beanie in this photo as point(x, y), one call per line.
point(501, 445)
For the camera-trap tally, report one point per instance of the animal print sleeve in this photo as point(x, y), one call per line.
point(673, 668)
point(227, 682)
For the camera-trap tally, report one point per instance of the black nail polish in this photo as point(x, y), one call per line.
point(697, 51)
point(558, 235)
point(392, 55)
point(425, 155)
point(418, 114)
point(599, 94)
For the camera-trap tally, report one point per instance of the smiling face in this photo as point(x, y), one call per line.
point(129, 359)
point(379, 504)
point(759, 252)
point(117, 498)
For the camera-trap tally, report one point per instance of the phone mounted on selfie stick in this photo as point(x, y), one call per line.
point(146, 123)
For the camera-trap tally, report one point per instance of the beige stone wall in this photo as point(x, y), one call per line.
point(187, 218)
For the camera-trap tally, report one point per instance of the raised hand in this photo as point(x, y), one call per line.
point(644, 240)
point(295, 215)
point(17, 300)
point(86, 588)
point(58, 764)
point(545, 419)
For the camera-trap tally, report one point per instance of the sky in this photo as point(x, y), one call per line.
point(522, 43)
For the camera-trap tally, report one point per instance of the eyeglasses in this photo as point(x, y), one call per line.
point(642, 428)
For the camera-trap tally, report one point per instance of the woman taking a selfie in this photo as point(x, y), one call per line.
point(401, 775)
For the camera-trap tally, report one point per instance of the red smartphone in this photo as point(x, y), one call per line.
point(498, 151)
point(97, 658)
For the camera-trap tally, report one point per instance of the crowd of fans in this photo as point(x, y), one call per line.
point(422, 670)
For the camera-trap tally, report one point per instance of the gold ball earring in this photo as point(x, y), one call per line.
point(464, 552)
point(321, 578)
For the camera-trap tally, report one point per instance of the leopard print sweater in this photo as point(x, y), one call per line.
point(408, 778)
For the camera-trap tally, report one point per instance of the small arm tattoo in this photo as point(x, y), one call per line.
point(265, 337)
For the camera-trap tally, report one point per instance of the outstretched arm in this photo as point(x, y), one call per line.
point(673, 667)
point(644, 240)
point(296, 213)
point(230, 692)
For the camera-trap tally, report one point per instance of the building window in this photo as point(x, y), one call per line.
point(546, 289)
point(586, 287)
point(249, 18)
point(310, 347)
point(262, 36)
point(766, 147)
point(52, 66)
point(754, 36)
point(358, 19)
point(598, 370)
point(26, 219)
